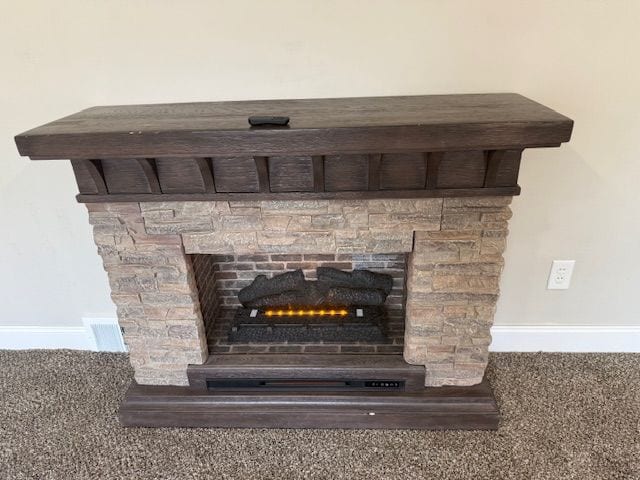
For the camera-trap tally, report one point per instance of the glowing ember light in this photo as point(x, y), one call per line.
point(302, 312)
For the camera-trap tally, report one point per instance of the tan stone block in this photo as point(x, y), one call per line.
point(435, 251)
point(298, 223)
point(386, 241)
point(166, 299)
point(104, 239)
point(194, 209)
point(132, 283)
point(179, 313)
point(450, 340)
point(294, 207)
point(493, 246)
point(125, 298)
point(214, 243)
point(476, 202)
point(448, 349)
point(482, 341)
point(328, 221)
point(418, 315)
point(489, 268)
point(462, 221)
point(179, 287)
point(408, 220)
point(102, 219)
point(194, 224)
point(277, 222)
point(356, 219)
point(414, 354)
point(109, 229)
point(431, 206)
point(240, 223)
point(155, 217)
point(501, 215)
point(465, 284)
point(183, 331)
point(244, 210)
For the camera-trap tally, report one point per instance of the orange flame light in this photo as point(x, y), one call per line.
point(305, 313)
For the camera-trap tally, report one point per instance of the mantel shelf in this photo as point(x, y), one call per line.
point(439, 145)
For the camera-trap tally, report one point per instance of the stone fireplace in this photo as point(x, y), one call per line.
point(453, 251)
point(190, 205)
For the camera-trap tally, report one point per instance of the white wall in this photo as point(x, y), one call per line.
point(577, 56)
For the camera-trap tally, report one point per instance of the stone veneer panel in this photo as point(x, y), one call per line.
point(153, 287)
point(455, 260)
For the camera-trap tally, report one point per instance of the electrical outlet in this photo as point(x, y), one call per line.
point(560, 275)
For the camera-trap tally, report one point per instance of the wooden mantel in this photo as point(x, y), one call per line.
point(376, 147)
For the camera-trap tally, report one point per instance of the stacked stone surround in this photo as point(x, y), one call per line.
point(454, 248)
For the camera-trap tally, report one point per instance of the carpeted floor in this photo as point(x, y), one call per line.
point(564, 416)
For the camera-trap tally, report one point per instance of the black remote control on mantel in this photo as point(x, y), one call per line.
point(266, 121)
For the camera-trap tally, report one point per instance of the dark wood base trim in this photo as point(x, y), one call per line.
point(356, 195)
point(440, 408)
point(300, 366)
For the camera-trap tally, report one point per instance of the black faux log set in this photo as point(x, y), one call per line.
point(333, 288)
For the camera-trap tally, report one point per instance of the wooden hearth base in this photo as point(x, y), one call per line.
point(467, 408)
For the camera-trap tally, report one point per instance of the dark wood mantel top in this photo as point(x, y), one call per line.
point(340, 148)
point(317, 127)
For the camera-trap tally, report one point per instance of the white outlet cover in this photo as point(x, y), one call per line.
point(560, 274)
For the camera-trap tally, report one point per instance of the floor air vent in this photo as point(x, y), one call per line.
point(105, 334)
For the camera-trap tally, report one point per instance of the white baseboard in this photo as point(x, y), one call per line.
point(565, 338)
point(25, 338)
point(86, 337)
point(506, 338)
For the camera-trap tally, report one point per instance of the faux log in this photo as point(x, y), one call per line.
point(355, 279)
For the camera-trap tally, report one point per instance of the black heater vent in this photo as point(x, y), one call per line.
point(297, 384)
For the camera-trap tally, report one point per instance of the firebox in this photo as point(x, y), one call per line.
point(337, 270)
point(311, 303)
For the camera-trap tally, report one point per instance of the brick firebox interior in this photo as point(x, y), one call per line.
point(454, 252)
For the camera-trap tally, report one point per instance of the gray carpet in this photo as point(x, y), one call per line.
point(564, 416)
